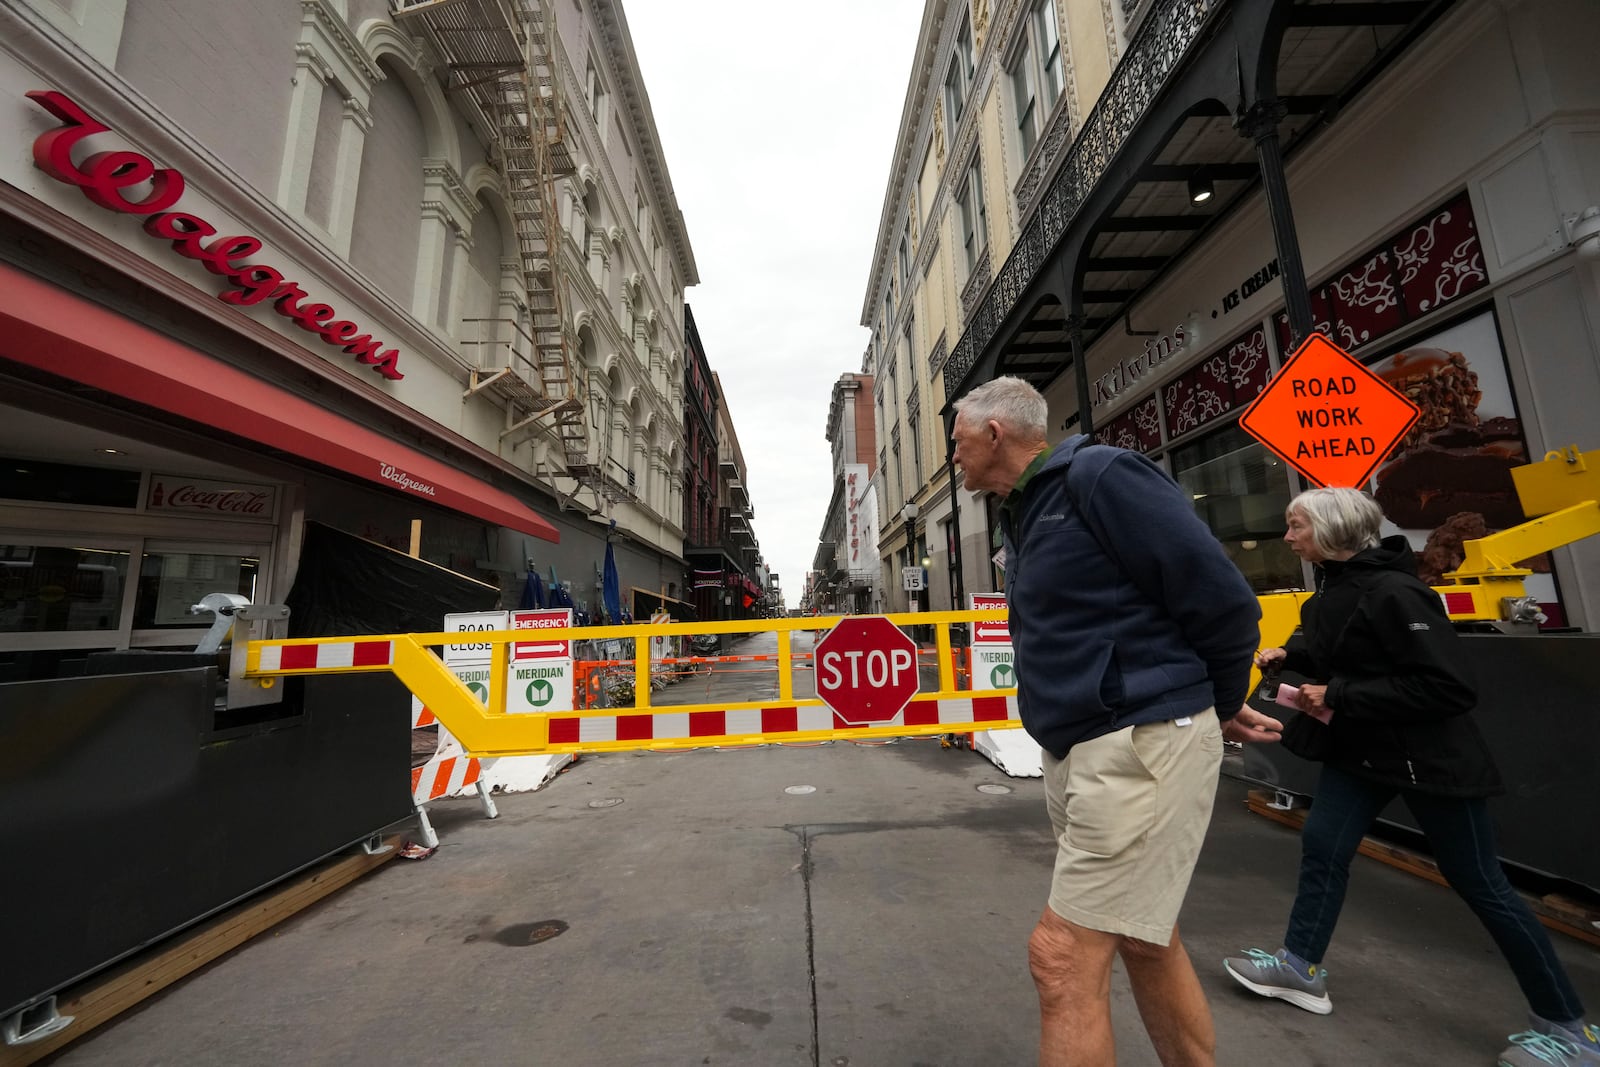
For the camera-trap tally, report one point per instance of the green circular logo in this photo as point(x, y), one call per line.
point(1002, 677)
point(540, 692)
point(479, 690)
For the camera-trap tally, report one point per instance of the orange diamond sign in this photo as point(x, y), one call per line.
point(1329, 417)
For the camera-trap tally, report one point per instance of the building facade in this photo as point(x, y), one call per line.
point(377, 324)
point(743, 571)
point(702, 545)
point(847, 550)
point(390, 271)
point(1236, 175)
point(995, 91)
point(1198, 230)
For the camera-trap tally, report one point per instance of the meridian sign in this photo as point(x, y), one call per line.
point(1329, 417)
point(866, 670)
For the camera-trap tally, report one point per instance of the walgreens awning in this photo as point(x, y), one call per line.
point(58, 332)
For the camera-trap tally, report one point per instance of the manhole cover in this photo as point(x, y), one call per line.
point(997, 790)
point(800, 790)
point(520, 934)
point(605, 802)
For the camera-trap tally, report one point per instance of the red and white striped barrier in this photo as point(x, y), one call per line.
point(666, 725)
point(326, 655)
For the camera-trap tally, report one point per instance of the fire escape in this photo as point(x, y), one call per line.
point(498, 59)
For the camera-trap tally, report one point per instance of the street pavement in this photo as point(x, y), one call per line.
point(836, 905)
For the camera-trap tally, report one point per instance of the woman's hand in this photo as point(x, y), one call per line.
point(1271, 658)
point(1313, 700)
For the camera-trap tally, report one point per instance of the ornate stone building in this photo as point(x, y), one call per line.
point(847, 550)
point(996, 89)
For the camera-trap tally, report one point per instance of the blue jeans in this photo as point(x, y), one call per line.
point(1463, 845)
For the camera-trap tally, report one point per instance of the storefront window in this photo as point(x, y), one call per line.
point(171, 582)
point(1240, 491)
point(49, 588)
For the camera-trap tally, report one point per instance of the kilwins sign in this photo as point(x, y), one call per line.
point(132, 184)
point(194, 496)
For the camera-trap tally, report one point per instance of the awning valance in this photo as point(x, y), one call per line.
point(58, 332)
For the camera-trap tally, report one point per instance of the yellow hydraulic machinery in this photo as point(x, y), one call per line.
point(1561, 497)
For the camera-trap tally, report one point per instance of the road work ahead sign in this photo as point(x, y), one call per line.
point(1329, 417)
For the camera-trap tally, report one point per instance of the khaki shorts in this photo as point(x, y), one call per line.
point(1130, 811)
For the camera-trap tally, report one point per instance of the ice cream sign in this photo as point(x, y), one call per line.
point(1329, 417)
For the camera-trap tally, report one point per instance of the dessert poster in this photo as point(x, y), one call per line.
point(1450, 479)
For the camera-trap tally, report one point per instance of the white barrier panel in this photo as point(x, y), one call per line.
point(1013, 751)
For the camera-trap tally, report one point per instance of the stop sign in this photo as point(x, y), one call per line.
point(866, 670)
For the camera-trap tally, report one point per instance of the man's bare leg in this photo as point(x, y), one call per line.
point(1171, 1002)
point(1071, 967)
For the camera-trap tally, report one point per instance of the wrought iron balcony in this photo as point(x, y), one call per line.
point(1163, 38)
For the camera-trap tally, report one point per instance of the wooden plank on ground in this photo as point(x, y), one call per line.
point(103, 997)
point(1559, 913)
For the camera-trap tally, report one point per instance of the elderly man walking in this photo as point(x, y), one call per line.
point(1134, 634)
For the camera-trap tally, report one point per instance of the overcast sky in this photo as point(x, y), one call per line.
point(778, 123)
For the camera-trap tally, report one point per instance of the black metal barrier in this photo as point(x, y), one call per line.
point(127, 816)
point(1537, 709)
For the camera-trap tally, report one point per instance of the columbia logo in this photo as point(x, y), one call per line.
point(1054, 516)
point(1417, 626)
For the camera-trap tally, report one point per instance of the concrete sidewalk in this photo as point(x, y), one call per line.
point(703, 908)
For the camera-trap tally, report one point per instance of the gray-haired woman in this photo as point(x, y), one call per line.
point(1389, 685)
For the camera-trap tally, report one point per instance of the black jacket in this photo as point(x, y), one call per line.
point(1397, 681)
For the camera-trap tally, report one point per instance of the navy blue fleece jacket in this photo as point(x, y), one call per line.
point(1124, 609)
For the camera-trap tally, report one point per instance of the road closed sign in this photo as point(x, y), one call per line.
point(866, 670)
point(467, 622)
point(1329, 417)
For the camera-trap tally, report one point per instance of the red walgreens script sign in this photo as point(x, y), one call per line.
point(866, 670)
point(110, 178)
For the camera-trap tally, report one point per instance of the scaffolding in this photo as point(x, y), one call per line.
point(498, 61)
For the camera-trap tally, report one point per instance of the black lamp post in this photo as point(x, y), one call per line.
point(909, 513)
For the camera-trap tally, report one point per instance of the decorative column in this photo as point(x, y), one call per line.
point(1259, 122)
point(447, 211)
point(353, 130)
point(327, 58)
point(511, 305)
point(1080, 371)
point(311, 75)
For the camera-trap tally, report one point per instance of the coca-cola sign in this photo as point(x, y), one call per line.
point(195, 496)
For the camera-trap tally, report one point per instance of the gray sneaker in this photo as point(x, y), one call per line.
point(1269, 975)
point(1540, 1048)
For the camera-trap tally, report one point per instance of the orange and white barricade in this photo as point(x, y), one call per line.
point(449, 772)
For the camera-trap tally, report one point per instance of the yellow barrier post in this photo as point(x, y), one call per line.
point(785, 667)
point(641, 670)
point(499, 676)
point(947, 671)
